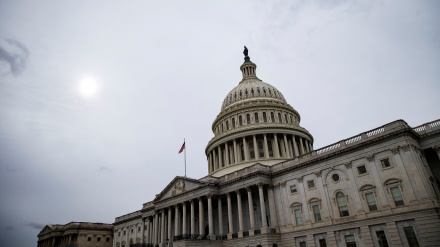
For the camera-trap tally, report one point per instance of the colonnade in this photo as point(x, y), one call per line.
point(258, 146)
point(60, 240)
point(159, 227)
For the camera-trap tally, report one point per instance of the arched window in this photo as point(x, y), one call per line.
point(240, 120)
point(227, 125)
point(241, 93)
point(260, 149)
point(258, 90)
point(222, 127)
point(235, 96)
point(279, 118)
point(264, 117)
point(272, 117)
point(270, 91)
point(233, 123)
point(252, 91)
point(264, 90)
point(246, 92)
point(285, 118)
point(342, 204)
point(291, 121)
point(256, 117)
point(251, 150)
point(248, 118)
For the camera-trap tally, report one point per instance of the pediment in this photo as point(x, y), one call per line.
point(178, 186)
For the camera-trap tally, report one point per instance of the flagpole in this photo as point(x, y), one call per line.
point(184, 154)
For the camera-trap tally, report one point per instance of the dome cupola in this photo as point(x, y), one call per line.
point(255, 125)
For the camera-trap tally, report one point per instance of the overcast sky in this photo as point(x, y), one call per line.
point(162, 71)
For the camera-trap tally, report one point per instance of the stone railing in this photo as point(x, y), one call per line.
point(428, 127)
point(88, 225)
point(128, 216)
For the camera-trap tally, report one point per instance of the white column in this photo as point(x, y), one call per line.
point(226, 154)
point(254, 139)
point(220, 157)
point(184, 218)
point(266, 148)
point(231, 225)
point(295, 147)
point(301, 145)
point(162, 227)
point(220, 216)
point(277, 148)
point(251, 208)
point(192, 217)
point(201, 217)
point(143, 231)
point(262, 206)
point(156, 228)
point(209, 162)
point(240, 211)
point(176, 220)
point(273, 213)
point(170, 215)
point(286, 147)
point(148, 230)
point(210, 219)
point(246, 150)
point(235, 152)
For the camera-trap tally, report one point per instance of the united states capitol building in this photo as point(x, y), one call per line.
point(267, 186)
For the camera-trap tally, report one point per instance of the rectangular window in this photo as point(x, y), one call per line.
point(316, 213)
point(397, 196)
point(371, 201)
point(297, 213)
point(382, 239)
point(385, 163)
point(89, 239)
point(350, 241)
point(293, 189)
point(119, 234)
point(311, 184)
point(411, 236)
point(302, 244)
point(124, 232)
point(139, 228)
point(322, 243)
point(107, 240)
point(98, 239)
point(362, 170)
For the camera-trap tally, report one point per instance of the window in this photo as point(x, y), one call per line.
point(139, 228)
point(385, 163)
point(227, 125)
point(311, 184)
point(251, 150)
point(264, 117)
point(397, 196)
point(98, 239)
point(279, 118)
point(293, 188)
point(335, 177)
point(89, 239)
point(124, 232)
point(242, 152)
point(233, 123)
point(350, 241)
point(297, 214)
point(222, 127)
point(371, 201)
point(302, 244)
point(256, 117)
point(342, 204)
point(316, 213)
point(131, 230)
point(382, 239)
point(272, 117)
point(362, 169)
point(240, 120)
point(248, 119)
point(322, 243)
point(285, 118)
point(119, 234)
point(411, 236)
point(107, 240)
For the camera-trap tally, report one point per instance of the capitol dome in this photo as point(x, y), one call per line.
point(255, 125)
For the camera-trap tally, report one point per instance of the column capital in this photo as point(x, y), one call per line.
point(395, 150)
point(260, 185)
point(237, 191)
point(248, 188)
point(209, 195)
point(228, 195)
point(370, 157)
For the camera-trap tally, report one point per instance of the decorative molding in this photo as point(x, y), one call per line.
point(283, 184)
point(370, 157)
point(395, 150)
point(260, 184)
point(300, 179)
point(347, 165)
point(406, 147)
point(318, 173)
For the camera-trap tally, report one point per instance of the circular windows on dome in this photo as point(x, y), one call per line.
point(336, 178)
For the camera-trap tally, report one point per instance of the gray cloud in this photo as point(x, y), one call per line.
point(11, 169)
point(15, 56)
point(35, 225)
point(104, 169)
point(9, 228)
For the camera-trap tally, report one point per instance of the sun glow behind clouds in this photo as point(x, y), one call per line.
point(88, 86)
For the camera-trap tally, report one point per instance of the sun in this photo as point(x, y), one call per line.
point(88, 86)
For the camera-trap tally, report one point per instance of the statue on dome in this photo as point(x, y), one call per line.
point(246, 56)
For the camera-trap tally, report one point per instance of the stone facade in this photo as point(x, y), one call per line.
point(267, 186)
point(76, 234)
